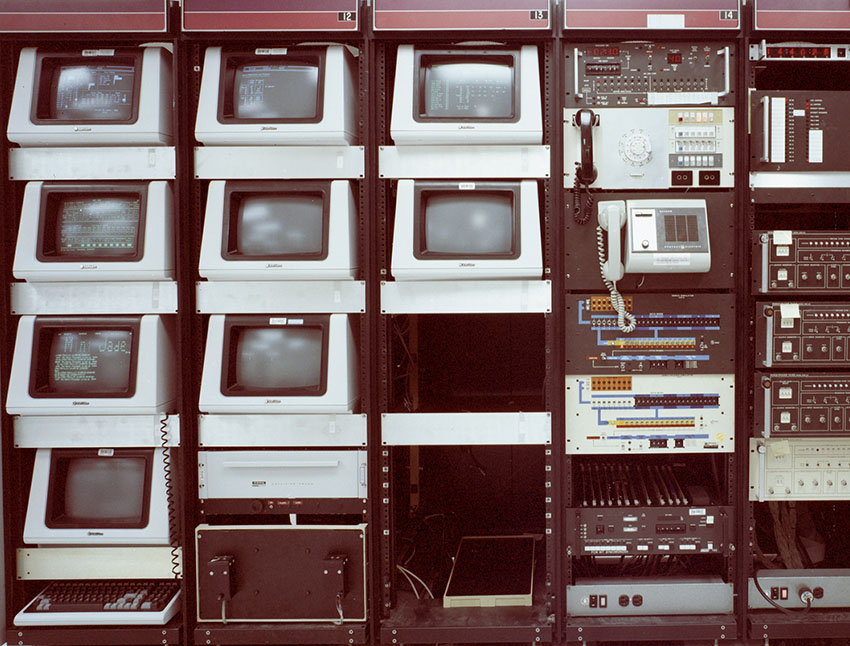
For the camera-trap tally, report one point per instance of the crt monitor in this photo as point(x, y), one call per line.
point(466, 96)
point(92, 97)
point(92, 365)
point(450, 230)
point(279, 363)
point(279, 230)
point(97, 497)
point(302, 95)
point(95, 231)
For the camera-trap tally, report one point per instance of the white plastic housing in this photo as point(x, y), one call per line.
point(157, 253)
point(340, 263)
point(152, 126)
point(155, 387)
point(337, 126)
point(36, 531)
point(406, 266)
point(527, 129)
point(340, 395)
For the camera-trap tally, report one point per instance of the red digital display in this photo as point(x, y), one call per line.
point(674, 58)
point(606, 51)
point(798, 52)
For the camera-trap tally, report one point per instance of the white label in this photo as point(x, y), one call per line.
point(783, 237)
point(779, 449)
point(788, 312)
point(785, 392)
point(278, 321)
point(643, 548)
point(466, 186)
point(106, 453)
point(815, 146)
point(783, 251)
point(270, 51)
point(672, 259)
point(777, 129)
point(98, 52)
point(687, 547)
point(798, 113)
point(665, 21)
point(696, 511)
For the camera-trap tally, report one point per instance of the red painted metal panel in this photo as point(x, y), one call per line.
point(270, 15)
point(90, 16)
point(419, 15)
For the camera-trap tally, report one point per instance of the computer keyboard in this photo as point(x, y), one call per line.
point(102, 603)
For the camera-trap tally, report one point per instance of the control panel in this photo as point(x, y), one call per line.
point(670, 595)
point(795, 405)
point(804, 334)
point(674, 333)
point(650, 413)
point(799, 130)
point(801, 261)
point(799, 469)
point(799, 51)
point(798, 589)
point(650, 73)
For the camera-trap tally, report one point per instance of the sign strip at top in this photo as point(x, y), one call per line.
point(652, 14)
point(421, 15)
point(82, 16)
point(270, 15)
point(820, 15)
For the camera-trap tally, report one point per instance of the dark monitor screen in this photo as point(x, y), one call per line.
point(90, 360)
point(72, 88)
point(271, 89)
point(466, 224)
point(283, 360)
point(92, 93)
point(99, 491)
point(277, 226)
point(470, 86)
point(88, 222)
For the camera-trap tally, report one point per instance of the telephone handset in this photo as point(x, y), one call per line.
point(586, 172)
point(662, 236)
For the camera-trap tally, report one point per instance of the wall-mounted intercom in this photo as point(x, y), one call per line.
point(649, 148)
point(661, 236)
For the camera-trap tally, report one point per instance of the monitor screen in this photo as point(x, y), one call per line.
point(81, 89)
point(270, 359)
point(283, 226)
point(272, 88)
point(92, 490)
point(84, 360)
point(463, 224)
point(475, 86)
point(90, 225)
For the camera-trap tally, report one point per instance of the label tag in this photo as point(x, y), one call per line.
point(696, 511)
point(466, 186)
point(278, 321)
point(106, 453)
point(672, 259)
point(783, 237)
point(270, 51)
point(98, 52)
point(788, 312)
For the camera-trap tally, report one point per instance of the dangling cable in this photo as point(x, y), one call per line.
point(625, 320)
point(581, 212)
point(169, 497)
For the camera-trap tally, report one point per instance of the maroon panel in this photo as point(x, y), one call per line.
point(817, 14)
point(82, 16)
point(270, 15)
point(649, 14)
point(476, 14)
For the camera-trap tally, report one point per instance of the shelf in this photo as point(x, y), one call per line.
point(280, 162)
point(815, 624)
point(302, 296)
point(167, 635)
point(425, 620)
point(422, 429)
point(282, 633)
point(105, 162)
point(652, 628)
point(446, 161)
point(466, 297)
point(130, 297)
point(94, 431)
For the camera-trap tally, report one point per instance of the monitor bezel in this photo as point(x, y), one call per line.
point(234, 322)
point(46, 64)
point(421, 191)
point(230, 60)
point(44, 329)
point(48, 215)
point(53, 497)
point(236, 190)
point(473, 56)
